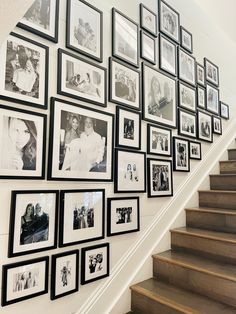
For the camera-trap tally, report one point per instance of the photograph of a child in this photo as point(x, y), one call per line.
point(95, 262)
point(25, 280)
point(123, 215)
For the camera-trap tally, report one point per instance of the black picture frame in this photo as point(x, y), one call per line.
point(183, 34)
point(130, 173)
point(211, 72)
point(216, 125)
point(20, 86)
point(195, 150)
point(187, 97)
point(187, 124)
point(169, 66)
point(164, 147)
point(97, 254)
point(82, 216)
point(132, 40)
point(27, 24)
point(24, 150)
point(21, 270)
point(187, 67)
point(90, 49)
point(224, 110)
point(64, 168)
point(201, 97)
point(119, 91)
point(181, 160)
point(147, 47)
point(204, 126)
point(128, 128)
point(200, 74)
point(212, 99)
point(35, 231)
point(123, 215)
point(148, 14)
point(160, 179)
point(64, 269)
point(165, 9)
point(70, 83)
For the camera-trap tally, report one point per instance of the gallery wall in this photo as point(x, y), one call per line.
point(208, 41)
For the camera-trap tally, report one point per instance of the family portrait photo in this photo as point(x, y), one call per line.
point(158, 140)
point(187, 123)
point(186, 67)
point(187, 97)
point(212, 99)
point(195, 151)
point(169, 21)
point(181, 154)
point(168, 55)
point(205, 131)
point(148, 19)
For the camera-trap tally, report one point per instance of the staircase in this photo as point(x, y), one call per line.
point(198, 274)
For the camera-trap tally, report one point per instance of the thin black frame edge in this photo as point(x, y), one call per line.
point(141, 6)
point(149, 125)
point(174, 156)
point(200, 145)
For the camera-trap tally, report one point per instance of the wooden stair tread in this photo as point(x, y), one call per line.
point(217, 191)
point(202, 264)
point(227, 161)
point(223, 175)
point(212, 210)
point(180, 299)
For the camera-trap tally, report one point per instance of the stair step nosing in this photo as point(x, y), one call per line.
point(211, 211)
point(217, 191)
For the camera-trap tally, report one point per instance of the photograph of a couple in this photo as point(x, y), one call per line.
point(25, 280)
point(123, 215)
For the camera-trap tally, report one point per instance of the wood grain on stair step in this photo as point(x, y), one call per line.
point(232, 154)
point(197, 274)
point(212, 244)
point(211, 219)
point(153, 296)
point(228, 166)
point(215, 198)
point(223, 182)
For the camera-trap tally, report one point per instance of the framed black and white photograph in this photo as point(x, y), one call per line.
point(200, 74)
point(130, 171)
point(81, 143)
point(160, 183)
point(24, 71)
point(186, 39)
point(167, 55)
point(212, 99)
point(204, 121)
point(64, 274)
point(181, 160)
point(124, 85)
point(84, 29)
point(195, 150)
point(125, 38)
point(81, 216)
point(201, 97)
point(148, 19)
point(147, 47)
point(95, 263)
point(224, 110)
point(187, 67)
point(159, 97)
point(33, 222)
point(216, 125)
point(187, 125)
point(187, 96)
point(81, 79)
point(169, 23)
point(128, 128)
point(22, 142)
point(24, 280)
point(42, 19)
point(123, 215)
point(159, 140)
point(211, 72)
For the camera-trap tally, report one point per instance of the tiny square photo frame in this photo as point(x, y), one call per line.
point(148, 19)
point(123, 215)
point(147, 47)
point(24, 280)
point(212, 99)
point(187, 97)
point(187, 67)
point(211, 72)
point(95, 263)
point(160, 183)
point(216, 125)
point(224, 110)
point(201, 97)
point(195, 150)
point(128, 128)
point(200, 74)
point(181, 161)
point(33, 222)
point(169, 21)
point(186, 39)
point(64, 274)
point(81, 216)
point(130, 171)
point(23, 141)
point(124, 87)
point(167, 55)
point(159, 140)
point(125, 38)
point(24, 71)
point(204, 126)
point(42, 19)
point(84, 29)
point(187, 125)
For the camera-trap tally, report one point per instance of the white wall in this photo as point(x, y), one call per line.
point(208, 41)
